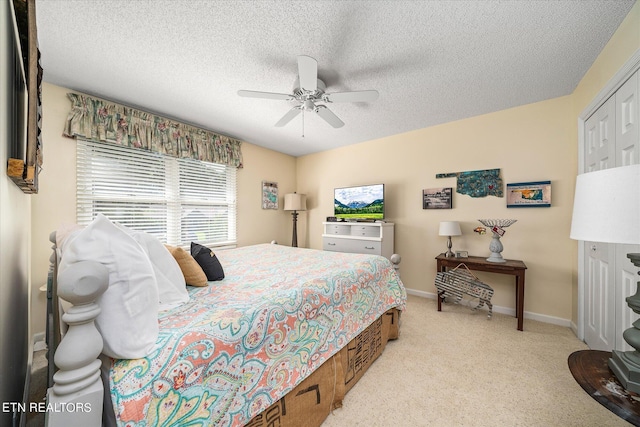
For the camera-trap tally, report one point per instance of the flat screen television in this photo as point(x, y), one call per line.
point(364, 202)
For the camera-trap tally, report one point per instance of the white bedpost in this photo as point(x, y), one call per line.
point(395, 260)
point(76, 397)
point(53, 310)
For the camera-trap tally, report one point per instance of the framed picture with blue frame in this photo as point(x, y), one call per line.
point(529, 194)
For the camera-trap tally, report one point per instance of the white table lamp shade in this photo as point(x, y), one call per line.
point(450, 228)
point(295, 202)
point(606, 206)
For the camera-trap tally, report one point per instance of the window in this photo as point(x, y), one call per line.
point(176, 200)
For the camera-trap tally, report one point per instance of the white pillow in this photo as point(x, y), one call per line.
point(128, 320)
point(66, 233)
point(172, 288)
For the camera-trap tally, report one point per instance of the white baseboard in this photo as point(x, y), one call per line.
point(39, 342)
point(506, 310)
point(574, 328)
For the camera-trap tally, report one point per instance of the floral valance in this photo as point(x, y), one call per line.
point(102, 121)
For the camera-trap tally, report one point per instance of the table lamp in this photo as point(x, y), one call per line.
point(449, 228)
point(295, 202)
point(606, 208)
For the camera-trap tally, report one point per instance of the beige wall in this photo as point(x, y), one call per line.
point(528, 143)
point(55, 202)
point(257, 225)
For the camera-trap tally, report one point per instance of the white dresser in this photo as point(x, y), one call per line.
point(359, 237)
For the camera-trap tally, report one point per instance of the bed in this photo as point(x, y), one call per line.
point(278, 341)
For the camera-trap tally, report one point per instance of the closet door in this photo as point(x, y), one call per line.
point(627, 118)
point(600, 135)
point(627, 153)
point(599, 277)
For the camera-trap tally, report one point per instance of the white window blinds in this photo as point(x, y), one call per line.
point(177, 200)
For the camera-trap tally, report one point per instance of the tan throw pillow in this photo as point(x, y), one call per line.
point(191, 270)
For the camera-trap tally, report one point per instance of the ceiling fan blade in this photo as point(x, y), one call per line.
point(328, 116)
point(356, 96)
point(266, 95)
point(288, 117)
point(308, 73)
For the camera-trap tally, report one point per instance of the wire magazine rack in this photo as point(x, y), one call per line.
point(461, 281)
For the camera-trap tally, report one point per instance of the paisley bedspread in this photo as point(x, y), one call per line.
point(242, 343)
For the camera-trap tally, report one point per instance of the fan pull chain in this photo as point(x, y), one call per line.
point(303, 123)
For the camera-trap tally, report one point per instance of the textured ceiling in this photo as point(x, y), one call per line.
point(431, 61)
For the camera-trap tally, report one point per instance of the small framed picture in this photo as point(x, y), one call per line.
point(437, 198)
point(269, 195)
point(462, 254)
point(529, 194)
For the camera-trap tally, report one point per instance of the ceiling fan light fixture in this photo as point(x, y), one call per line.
point(309, 89)
point(309, 105)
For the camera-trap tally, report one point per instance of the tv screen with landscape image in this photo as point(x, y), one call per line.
point(365, 202)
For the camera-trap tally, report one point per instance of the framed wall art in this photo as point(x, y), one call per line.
point(529, 194)
point(269, 195)
point(479, 183)
point(437, 198)
point(24, 151)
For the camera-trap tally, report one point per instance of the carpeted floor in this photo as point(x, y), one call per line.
point(456, 368)
point(38, 387)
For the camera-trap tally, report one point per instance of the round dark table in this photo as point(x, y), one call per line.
point(590, 369)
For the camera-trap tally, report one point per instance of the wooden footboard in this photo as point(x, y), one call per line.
point(311, 402)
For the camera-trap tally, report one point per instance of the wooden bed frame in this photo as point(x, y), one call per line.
point(76, 393)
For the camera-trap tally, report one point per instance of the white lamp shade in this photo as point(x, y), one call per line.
point(295, 202)
point(450, 228)
point(606, 207)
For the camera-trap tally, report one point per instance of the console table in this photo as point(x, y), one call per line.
point(513, 267)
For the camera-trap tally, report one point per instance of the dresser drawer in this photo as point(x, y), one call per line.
point(365, 230)
point(343, 230)
point(351, 245)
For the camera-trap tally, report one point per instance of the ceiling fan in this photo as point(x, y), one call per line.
point(309, 93)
